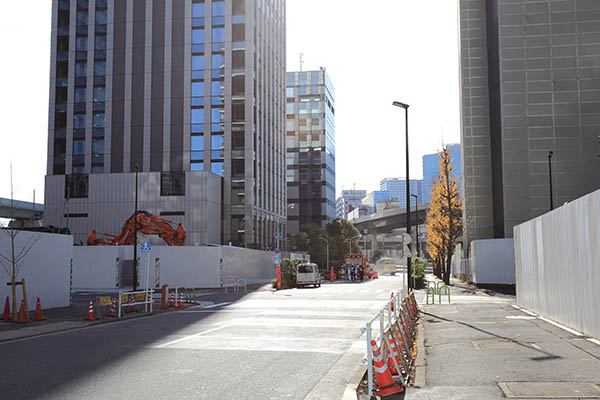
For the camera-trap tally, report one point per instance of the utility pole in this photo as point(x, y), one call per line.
point(135, 213)
point(417, 221)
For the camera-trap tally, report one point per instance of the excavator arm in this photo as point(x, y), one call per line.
point(147, 224)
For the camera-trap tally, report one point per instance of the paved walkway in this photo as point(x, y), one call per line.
point(483, 347)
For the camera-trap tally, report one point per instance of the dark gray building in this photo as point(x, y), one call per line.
point(310, 154)
point(190, 93)
point(530, 84)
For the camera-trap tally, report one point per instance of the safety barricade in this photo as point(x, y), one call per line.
point(391, 350)
point(235, 284)
point(133, 299)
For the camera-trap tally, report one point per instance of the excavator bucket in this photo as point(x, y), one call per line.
point(92, 239)
point(179, 236)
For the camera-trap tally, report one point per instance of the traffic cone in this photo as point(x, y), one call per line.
point(385, 382)
point(6, 315)
point(112, 313)
point(180, 305)
point(38, 311)
point(91, 312)
point(21, 317)
point(394, 361)
point(172, 300)
point(392, 300)
point(148, 299)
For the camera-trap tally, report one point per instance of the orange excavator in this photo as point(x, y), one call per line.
point(147, 224)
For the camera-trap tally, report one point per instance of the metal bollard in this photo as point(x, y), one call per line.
point(446, 290)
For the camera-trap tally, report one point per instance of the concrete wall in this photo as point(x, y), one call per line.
point(493, 261)
point(95, 267)
point(557, 264)
point(46, 268)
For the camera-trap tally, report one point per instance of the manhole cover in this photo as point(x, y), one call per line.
point(550, 390)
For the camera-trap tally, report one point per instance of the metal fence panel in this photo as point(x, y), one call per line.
point(557, 260)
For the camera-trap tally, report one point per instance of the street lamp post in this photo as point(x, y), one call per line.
point(135, 213)
point(327, 250)
point(350, 244)
point(416, 197)
point(550, 154)
point(408, 230)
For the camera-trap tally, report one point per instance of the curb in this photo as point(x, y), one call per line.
point(84, 325)
point(420, 362)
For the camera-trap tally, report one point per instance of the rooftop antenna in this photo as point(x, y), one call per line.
point(301, 61)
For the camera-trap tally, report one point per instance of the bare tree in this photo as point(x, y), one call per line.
point(13, 261)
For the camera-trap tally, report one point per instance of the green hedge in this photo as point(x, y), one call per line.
point(288, 272)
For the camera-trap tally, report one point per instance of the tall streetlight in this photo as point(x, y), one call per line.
point(408, 230)
point(416, 196)
point(135, 214)
point(550, 154)
point(350, 244)
point(327, 249)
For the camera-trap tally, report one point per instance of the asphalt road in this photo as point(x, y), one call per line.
point(262, 345)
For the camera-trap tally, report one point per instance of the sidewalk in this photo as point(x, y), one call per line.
point(482, 347)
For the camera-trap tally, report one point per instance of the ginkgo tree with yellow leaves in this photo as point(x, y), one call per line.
point(444, 218)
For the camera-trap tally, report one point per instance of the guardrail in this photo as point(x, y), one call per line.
point(136, 298)
point(235, 284)
point(395, 341)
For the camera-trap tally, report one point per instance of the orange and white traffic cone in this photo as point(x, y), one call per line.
point(91, 316)
point(38, 311)
point(172, 300)
point(394, 361)
point(6, 315)
point(21, 318)
point(180, 305)
point(112, 313)
point(385, 383)
point(149, 300)
point(392, 300)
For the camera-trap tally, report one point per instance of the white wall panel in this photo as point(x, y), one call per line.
point(557, 257)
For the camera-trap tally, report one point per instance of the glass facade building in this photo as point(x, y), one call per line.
point(310, 149)
point(176, 90)
point(431, 169)
point(396, 188)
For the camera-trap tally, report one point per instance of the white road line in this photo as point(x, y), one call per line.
point(218, 305)
point(191, 336)
point(519, 317)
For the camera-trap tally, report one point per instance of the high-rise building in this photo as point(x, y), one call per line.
point(373, 198)
point(310, 147)
point(396, 187)
point(348, 201)
point(431, 169)
point(530, 81)
point(188, 93)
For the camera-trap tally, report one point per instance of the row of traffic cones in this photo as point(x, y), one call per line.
point(22, 316)
point(172, 301)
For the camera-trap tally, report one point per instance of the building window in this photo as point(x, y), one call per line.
point(76, 186)
point(172, 184)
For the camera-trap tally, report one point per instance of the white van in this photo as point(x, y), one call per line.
point(308, 274)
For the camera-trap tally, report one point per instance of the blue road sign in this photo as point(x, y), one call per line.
point(146, 246)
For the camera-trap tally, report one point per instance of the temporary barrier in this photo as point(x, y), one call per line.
point(391, 353)
point(235, 284)
point(132, 299)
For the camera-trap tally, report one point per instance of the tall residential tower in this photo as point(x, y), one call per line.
point(189, 93)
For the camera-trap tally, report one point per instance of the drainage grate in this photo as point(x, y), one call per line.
point(550, 390)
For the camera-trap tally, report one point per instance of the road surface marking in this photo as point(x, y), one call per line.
point(218, 305)
point(520, 317)
point(190, 336)
point(574, 332)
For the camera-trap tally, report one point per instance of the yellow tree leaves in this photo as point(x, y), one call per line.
point(444, 218)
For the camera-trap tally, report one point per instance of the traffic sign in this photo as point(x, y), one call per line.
point(146, 247)
point(276, 258)
point(406, 238)
point(276, 251)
